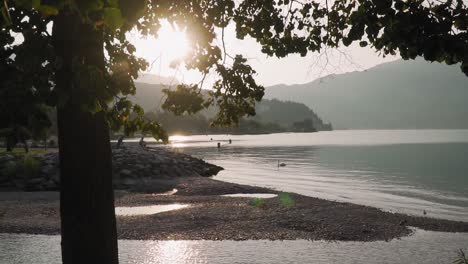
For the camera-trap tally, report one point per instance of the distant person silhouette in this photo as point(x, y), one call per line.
point(142, 142)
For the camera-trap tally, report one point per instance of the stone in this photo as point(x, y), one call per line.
point(131, 164)
point(35, 181)
point(125, 173)
point(56, 178)
point(51, 186)
point(129, 181)
point(139, 166)
point(7, 157)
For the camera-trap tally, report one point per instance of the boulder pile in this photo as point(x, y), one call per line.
point(132, 166)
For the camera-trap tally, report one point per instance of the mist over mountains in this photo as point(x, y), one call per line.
point(395, 95)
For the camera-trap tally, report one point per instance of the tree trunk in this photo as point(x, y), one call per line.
point(8, 145)
point(87, 212)
point(10, 142)
point(25, 144)
point(26, 147)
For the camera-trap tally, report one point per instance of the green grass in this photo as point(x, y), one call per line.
point(25, 168)
point(20, 151)
point(257, 202)
point(286, 200)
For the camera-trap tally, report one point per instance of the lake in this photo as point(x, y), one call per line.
point(398, 170)
point(407, 171)
point(422, 247)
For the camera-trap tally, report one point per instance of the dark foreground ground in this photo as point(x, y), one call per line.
point(213, 217)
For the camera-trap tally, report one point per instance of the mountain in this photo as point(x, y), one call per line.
point(284, 114)
point(149, 96)
point(287, 114)
point(156, 79)
point(395, 95)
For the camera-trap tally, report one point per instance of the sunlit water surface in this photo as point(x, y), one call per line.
point(422, 247)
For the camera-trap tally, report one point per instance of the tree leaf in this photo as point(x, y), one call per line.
point(113, 18)
point(47, 10)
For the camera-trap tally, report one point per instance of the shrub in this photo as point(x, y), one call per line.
point(10, 169)
point(25, 168)
point(30, 167)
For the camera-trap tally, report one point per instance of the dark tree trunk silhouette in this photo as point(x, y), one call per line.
point(25, 143)
point(87, 212)
point(26, 147)
point(9, 144)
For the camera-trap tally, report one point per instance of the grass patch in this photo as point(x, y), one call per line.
point(286, 200)
point(20, 151)
point(257, 202)
point(25, 168)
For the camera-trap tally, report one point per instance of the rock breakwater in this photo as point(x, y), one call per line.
point(134, 167)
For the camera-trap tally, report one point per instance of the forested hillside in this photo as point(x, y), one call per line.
point(272, 116)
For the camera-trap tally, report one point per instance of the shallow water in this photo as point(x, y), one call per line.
point(408, 171)
point(252, 195)
point(148, 210)
point(422, 247)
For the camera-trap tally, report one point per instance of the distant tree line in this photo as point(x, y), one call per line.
point(199, 124)
point(273, 116)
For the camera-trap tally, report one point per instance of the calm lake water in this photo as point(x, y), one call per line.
point(422, 247)
point(404, 171)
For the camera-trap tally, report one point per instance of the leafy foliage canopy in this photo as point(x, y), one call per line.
point(436, 30)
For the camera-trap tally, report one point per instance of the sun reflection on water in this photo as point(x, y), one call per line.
point(174, 252)
point(179, 145)
point(178, 138)
point(148, 210)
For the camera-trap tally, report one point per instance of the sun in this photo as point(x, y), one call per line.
point(172, 43)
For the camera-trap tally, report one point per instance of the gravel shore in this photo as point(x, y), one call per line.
point(211, 216)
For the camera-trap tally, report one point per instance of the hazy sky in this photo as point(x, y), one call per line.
point(290, 70)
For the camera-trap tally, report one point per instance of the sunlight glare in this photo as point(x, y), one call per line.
point(178, 138)
point(172, 43)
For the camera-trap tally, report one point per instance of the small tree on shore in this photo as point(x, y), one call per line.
point(75, 56)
